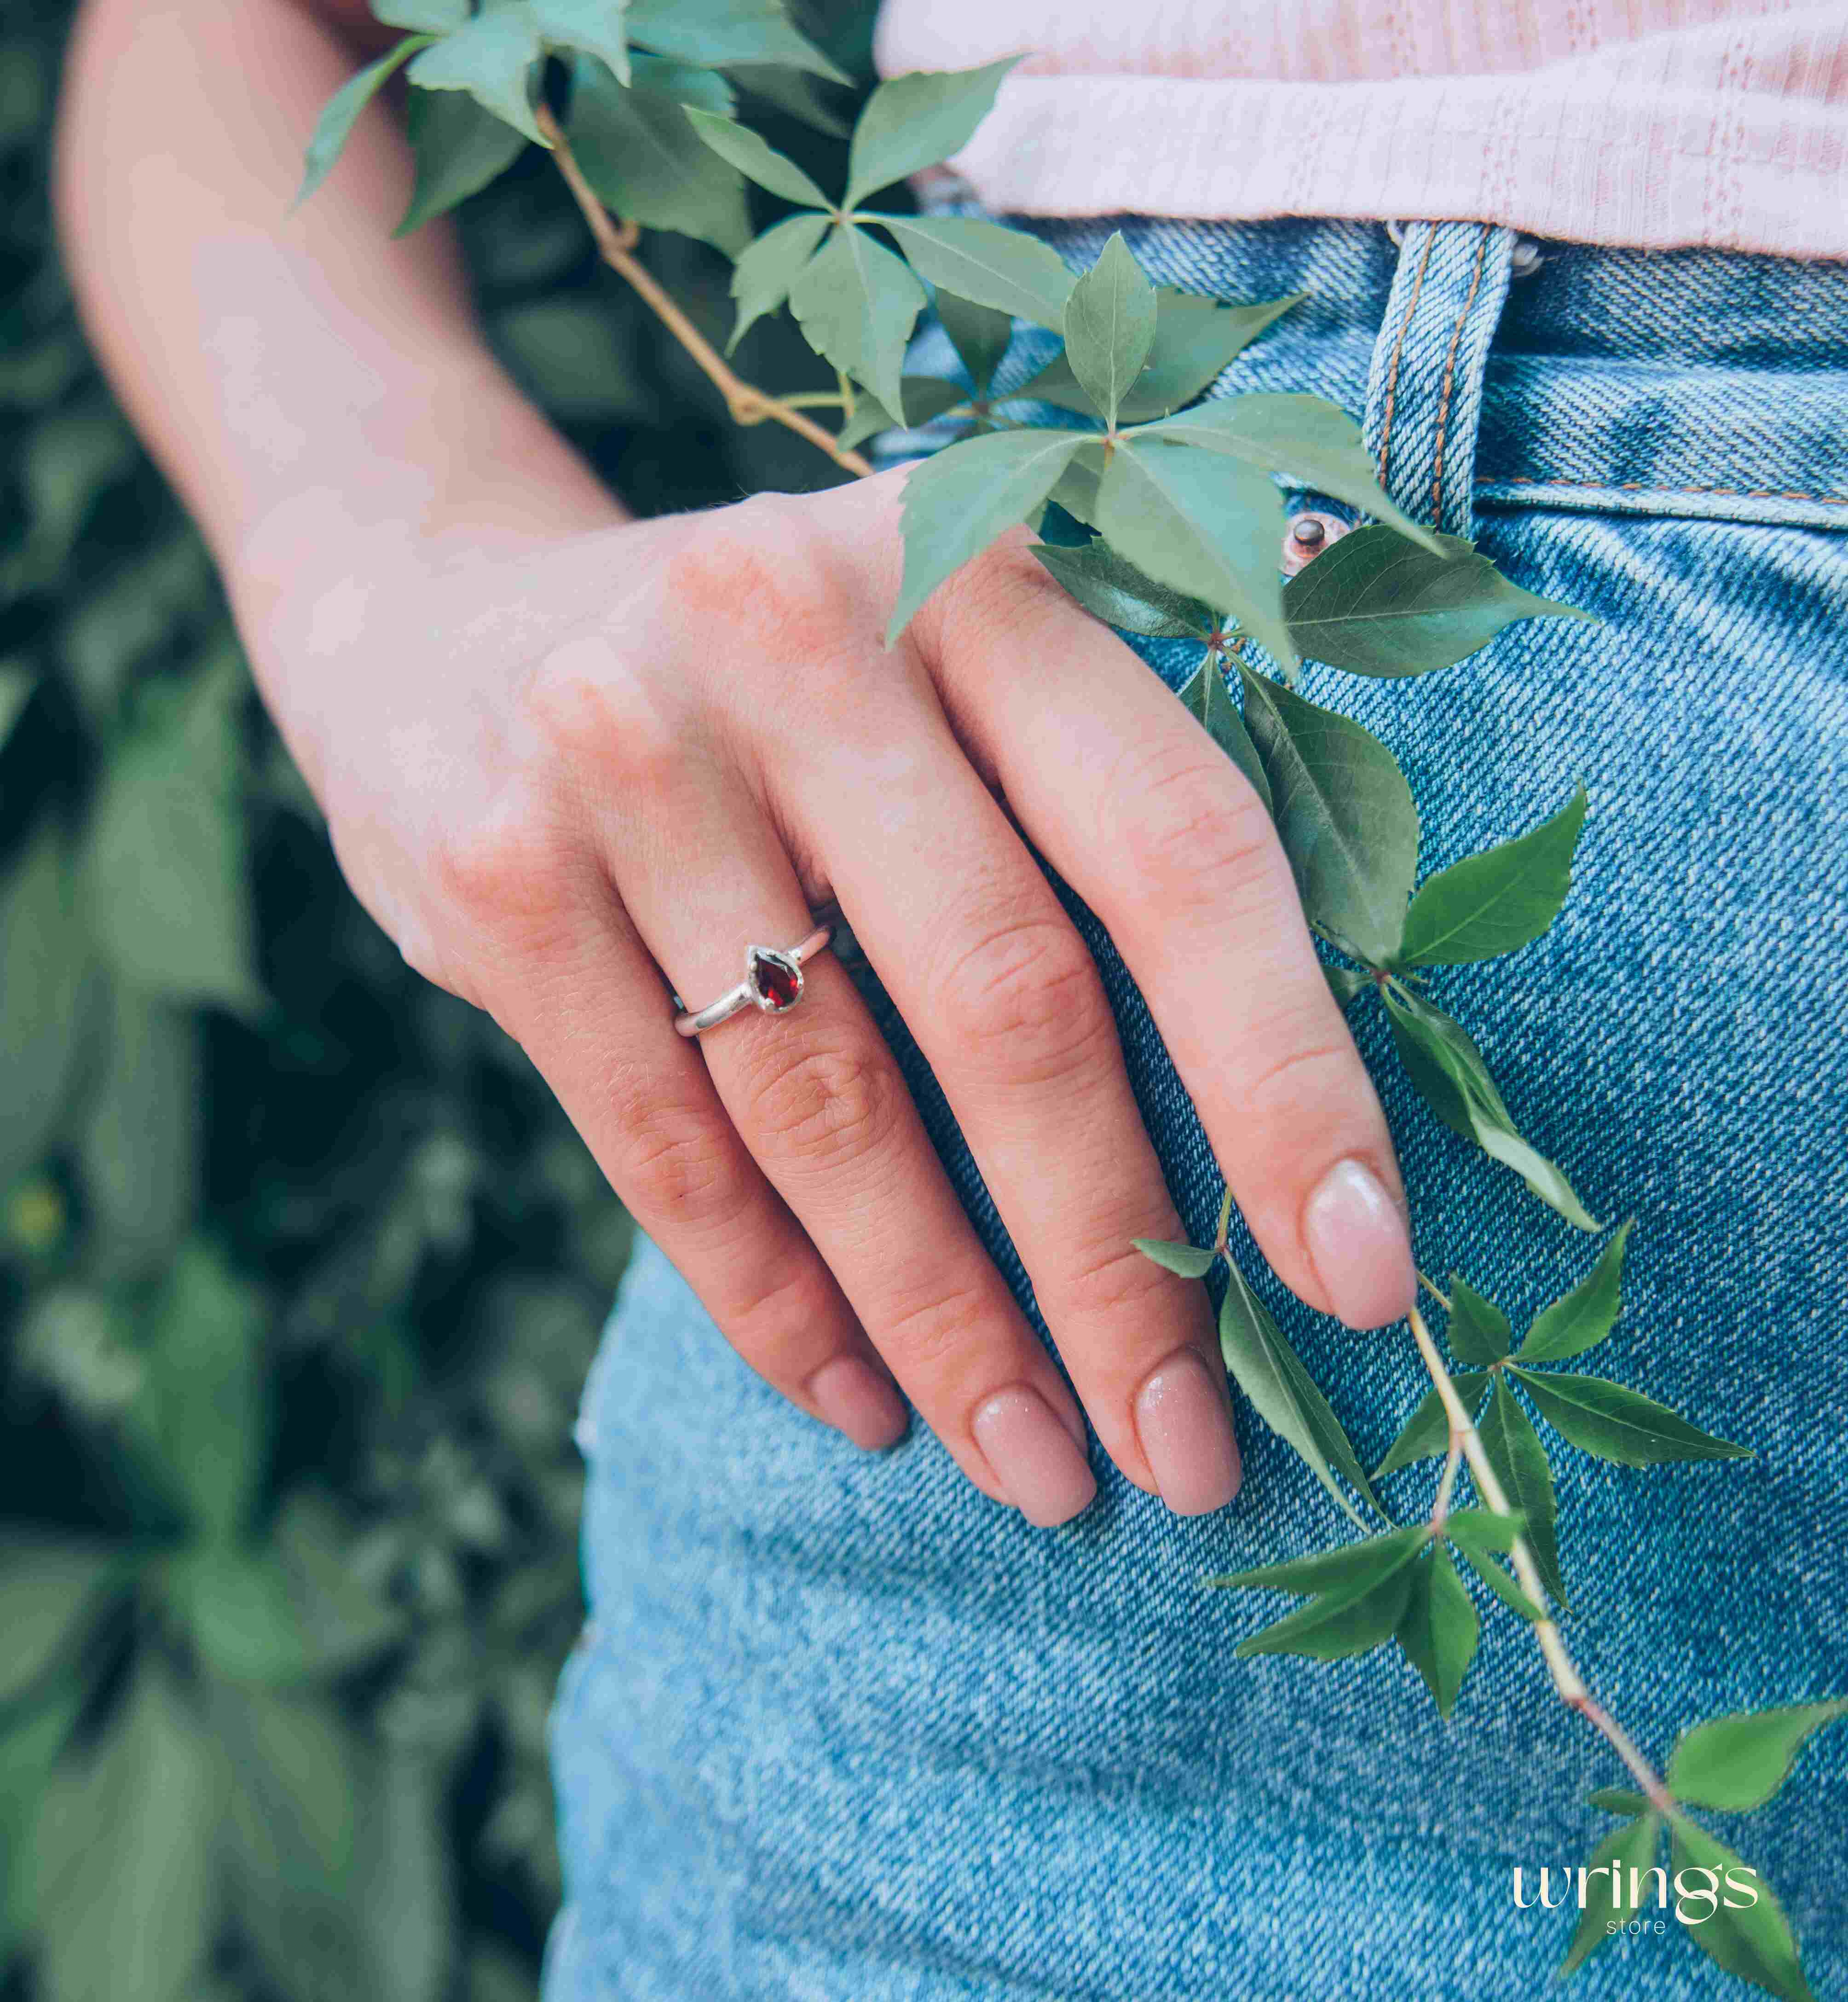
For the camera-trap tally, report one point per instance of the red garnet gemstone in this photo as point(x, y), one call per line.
point(776, 981)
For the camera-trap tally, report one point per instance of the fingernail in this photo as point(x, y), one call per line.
point(1186, 1432)
point(1359, 1245)
point(855, 1399)
point(1046, 1477)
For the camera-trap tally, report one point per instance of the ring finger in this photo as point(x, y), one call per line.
point(819, 1100)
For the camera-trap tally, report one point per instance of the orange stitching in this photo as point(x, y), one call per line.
point(1648, 486)
point(1391, 391)
point(1456, 335)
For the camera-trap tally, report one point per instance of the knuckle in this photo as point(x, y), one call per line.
point(826, 1106)
point(587, 707)
point(771, 1320)
point(1005, 588)
point(931, 1328)
point(762, 566)
point(1295, 1076)
point(673, 1157)
point(1027, 994)
point(1188, 832)
point(1113, 1277)
point(512, 870)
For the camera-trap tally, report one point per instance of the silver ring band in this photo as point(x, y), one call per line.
point(772, 984)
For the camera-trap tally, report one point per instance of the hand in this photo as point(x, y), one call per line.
point(557, 776)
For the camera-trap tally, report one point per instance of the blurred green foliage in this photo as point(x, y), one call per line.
point(301, 1269)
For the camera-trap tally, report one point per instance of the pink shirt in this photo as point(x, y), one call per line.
point(1641, 122)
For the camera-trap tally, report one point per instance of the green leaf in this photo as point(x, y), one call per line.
point(1253, 1346)
point(166, 877)
point(980, 335)
point(33, 1737)
point(764, 273)
point(1619, 1801)
point(431, 17)
point(1438, 1629)
point(1452, 1076)
point(1479, 1330)
point(1481, 1530)
point(1586, 1315)
point(200, 1414)
point(1336, 1571)
point(1519, 1460)
point(1497, 902)
point(640, 152)
point(126, 1845)
point(17, 685)
point(1344, 982)
point(1345, 814)
point(238, 1608)
point(592, 28)
point(856, 304)
point(1077, 489)
point(957, 501)
point(492, 59)
point(458, 148)
point(298, 1776)
point(1111, 588)
point(1739, 1762)
point(1004, 269)
point(1498, 1581)
point(340, 114)
point(1747, 1934)
point(140, 1138)
point(1426, 1431)
point(685, 83)
point(1620, 1424)
point(1191, 1261)
point(46, 954)
point(1194, 339)
point(1306, 437)
point(757, 159)
point(793, 92)
point(925, 397)
point(915, 121)
point(348, 1622)
point(1607, 1885)
point(1110, 326)
point(49, 1587)
point(724, 34)
point(1362, 1610)
point(404, 1899)
point(1208, 527)
point(1208, 699)
point(1376, 604)
point(1325, 1429)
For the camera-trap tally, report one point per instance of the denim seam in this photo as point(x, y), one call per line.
point(1456, 335)
point(1392, 388)
point(1644, 486)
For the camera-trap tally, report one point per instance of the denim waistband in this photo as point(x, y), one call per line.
point(1700, 383)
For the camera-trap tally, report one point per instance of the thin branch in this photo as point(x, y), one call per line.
point(616, 246)
point(1566, 1678)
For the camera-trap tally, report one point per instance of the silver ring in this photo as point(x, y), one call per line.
point(772, 984)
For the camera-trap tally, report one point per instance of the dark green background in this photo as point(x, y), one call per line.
point(300, 1268)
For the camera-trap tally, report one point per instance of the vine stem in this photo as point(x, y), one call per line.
point(616, 244)
point(1566, 1680)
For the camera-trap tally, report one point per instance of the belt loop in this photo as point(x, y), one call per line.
point(1425, 389)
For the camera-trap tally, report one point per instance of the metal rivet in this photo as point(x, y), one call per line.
point(1307, 536)
point(1525, 258)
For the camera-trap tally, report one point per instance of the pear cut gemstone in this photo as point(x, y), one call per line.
point(776, 979)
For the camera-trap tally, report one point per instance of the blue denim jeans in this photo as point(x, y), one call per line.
point(841, 1730)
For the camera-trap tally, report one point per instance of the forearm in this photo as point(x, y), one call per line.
point(316, 390)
